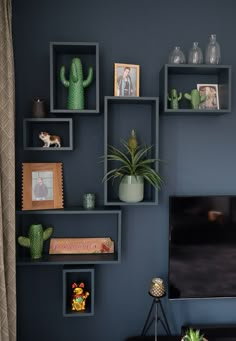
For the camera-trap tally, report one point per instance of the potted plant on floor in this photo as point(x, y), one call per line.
point(133, 169)
point(193, 335)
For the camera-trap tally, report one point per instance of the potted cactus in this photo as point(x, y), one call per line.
point(133, 167)
point(193, 335)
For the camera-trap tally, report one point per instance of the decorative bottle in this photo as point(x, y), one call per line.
point(195, 55)
point(176, 56)
point(212, 51)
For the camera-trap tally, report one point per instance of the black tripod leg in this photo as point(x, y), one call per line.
point(166, 327)
point(145, 329)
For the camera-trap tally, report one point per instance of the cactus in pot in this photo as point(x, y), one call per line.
point(76, 84)
point(195, 98)
point(174, 99)
point(35, 239)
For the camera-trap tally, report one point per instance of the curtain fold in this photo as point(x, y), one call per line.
point(7, 178)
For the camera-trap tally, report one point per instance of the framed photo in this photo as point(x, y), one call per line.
point(42, 186)
point(212, 96)
point(126, 79)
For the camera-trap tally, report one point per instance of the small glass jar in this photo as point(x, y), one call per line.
point(213, 54)
point(195, 55)
point(89, 201)
point(177, 56)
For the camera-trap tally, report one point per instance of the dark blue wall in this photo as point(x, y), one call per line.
point(200, 155)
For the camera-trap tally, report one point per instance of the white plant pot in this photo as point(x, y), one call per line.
point(131, 188)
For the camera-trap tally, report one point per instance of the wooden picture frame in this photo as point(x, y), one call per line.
point(126, 80)
point(42, 186)
point(212, 96)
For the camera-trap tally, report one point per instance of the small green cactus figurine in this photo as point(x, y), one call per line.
point(174, 99)
point(35, 239)
point(195, 98)
point(76, 84)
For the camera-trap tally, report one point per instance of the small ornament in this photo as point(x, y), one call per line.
point(38, 107)
point(76, 84)
point(35, 239)
point(195, 55)
point(50, 139)
point(213, 54)
point(157, 288)
point(174, 99)
point(177, 56)
point(195, 98)
point(89, 201)
point(79, 297)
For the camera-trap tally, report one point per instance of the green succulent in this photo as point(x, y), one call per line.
point(133, 161)
point(193, 335)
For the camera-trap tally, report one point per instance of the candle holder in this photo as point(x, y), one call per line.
point(38, 107)
point(157, 291)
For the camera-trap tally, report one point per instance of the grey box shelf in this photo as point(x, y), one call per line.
point(69, 223)
point(121, 115)
point(61, 53)
point(185, 77)
point(74, 275)
point(54, 126)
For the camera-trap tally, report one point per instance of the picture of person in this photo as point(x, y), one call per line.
point(211, 92)
point(124, 83)
point(42, 186)
point(126, 80)
point(40, 190)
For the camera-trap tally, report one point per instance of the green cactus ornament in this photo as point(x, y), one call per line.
point(35, 240)
point(195, 98)
point(76, 84)
point(174, 99)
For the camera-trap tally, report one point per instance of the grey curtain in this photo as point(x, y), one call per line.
point(7, 178)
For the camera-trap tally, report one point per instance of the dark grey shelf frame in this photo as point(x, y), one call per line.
point(33, 126)
point(61, 53)
point(142, 115)
point(185, 77)
point(25, 218)
point(70, 276)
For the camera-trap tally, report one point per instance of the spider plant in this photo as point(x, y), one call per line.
point(133, 161)
point(193, 335)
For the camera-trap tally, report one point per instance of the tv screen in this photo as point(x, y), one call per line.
point(202, 247)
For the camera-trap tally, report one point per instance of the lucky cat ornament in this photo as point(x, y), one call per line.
point(50, 139)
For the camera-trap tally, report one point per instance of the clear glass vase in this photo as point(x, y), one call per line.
point(195, 55)
point(176, 56)
point(212, 51)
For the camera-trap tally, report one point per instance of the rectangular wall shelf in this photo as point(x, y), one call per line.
point(71, 223)
point(81, 275)
point(61, 54)
point(185, 77)
point(121, 115)
point(62, 127)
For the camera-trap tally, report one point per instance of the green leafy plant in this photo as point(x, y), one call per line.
point(193, 335)
point(133, 161)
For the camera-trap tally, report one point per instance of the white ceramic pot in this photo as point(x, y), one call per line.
point(131, 188)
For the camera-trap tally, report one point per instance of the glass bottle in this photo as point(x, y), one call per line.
point(212, 51)
point(195, 55)
point(176, 56)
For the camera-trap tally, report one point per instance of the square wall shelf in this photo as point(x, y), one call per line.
point(71, 276)
point(71, 223)
point(81, 275)
point(62, 127)
point(185, 77)
point(121, 115)
point(62, 54)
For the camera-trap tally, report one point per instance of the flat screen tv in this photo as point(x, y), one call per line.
point(202, 247)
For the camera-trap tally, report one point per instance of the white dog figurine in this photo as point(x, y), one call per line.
point(50, 139)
